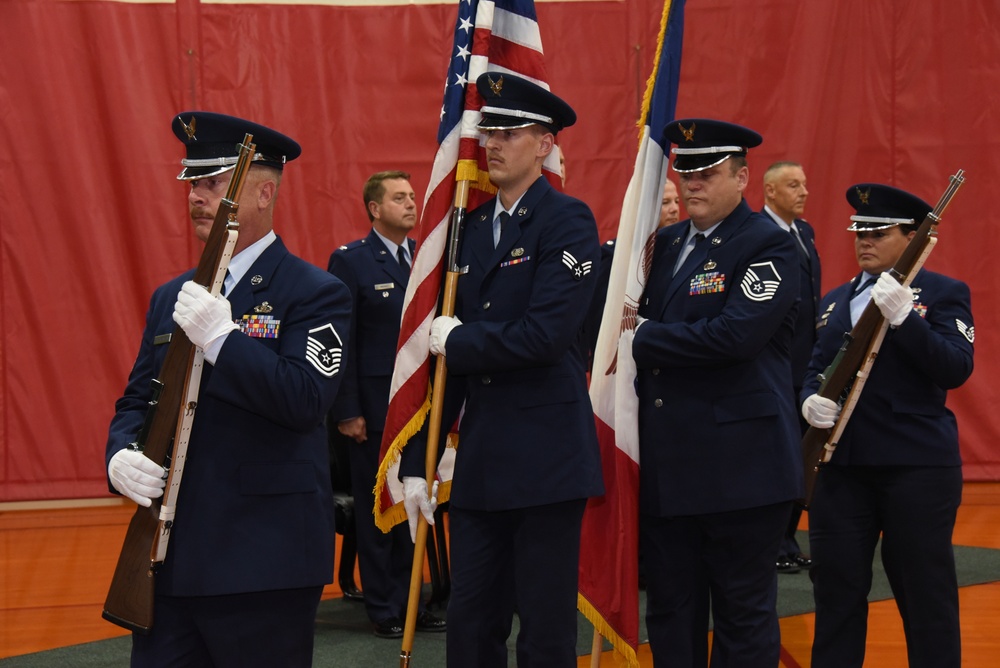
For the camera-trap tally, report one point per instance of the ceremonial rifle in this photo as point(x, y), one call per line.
point(167, 427)
point(845, 378)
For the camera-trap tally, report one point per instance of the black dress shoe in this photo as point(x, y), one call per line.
point(429, 623)
point(787, 565)
point(351, 592)
point(802, 560)
point(389, 628)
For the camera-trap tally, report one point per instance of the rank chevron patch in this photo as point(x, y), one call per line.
point(579, 269)
point(760, 282)
point(324, 349)
point(969, 332)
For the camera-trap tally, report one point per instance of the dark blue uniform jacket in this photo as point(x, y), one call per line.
point(718, 429)
point(255, 509)
point(901, 417)
point(518, 362)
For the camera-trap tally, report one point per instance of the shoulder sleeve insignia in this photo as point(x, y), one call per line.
point(579, 269)
point(968, 331)
point(324, 349)
point(760, 282)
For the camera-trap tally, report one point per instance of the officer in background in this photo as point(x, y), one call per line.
point(897, 470)
point(376, 270)
point(785, 195)
point(527, 457)
point(252, 541)
point(718, 432)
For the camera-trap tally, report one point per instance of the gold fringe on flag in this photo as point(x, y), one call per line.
point(651, 81)
point(624, 654)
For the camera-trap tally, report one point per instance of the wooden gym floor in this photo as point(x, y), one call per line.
point(56, 561)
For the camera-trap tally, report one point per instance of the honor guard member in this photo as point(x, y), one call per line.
point(376, 270)
point(718, 431)
point(252, 541)
point(527, 456)
point(897, 471)
point(785, 195)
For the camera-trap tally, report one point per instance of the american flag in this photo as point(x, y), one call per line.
point(609, 588)
point(494, 35)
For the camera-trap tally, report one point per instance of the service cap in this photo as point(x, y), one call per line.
point(879, 207)
point(510, 102)
point(212, 141)
point(702, 142)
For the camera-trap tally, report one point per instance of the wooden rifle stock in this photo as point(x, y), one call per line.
point(843, 379)
point(130, 597)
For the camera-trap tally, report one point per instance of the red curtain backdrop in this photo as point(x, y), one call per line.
point(92, 220)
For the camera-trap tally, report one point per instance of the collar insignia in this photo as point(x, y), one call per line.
point(257, 279)
point(716, 241)
point(522, 211)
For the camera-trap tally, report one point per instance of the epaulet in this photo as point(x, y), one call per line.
point(357, 243)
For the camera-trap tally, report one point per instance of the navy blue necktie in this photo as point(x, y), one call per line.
point(401, 256)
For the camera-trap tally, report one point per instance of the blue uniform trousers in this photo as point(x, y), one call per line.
point(525, 559)
point(913, 508)
point(384, 559)
point(726, 558)
point(259, 629)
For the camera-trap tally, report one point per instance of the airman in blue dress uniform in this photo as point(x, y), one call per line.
point(785, 195)
point(718, 431)
point(253, 537)
point(376, 270)
point(527, 456)
point(897, 470)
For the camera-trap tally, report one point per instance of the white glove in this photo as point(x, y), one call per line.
point(820, 412)
point(415, 501)
point(137, 476)
point(638, 322)
point(894, 300)
point(440, 329)
point(205, 319)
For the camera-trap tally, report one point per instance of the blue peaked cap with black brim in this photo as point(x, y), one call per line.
point(213, 143)
point(879, 207)
point(511, 102)
point(701, 143)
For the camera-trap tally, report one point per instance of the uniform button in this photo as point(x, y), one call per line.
point(486, 306)
point(655, 372)
point(658, 403)
point(486, 380)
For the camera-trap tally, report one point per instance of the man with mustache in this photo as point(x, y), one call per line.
point(252, 541)
point(785, 196)
point(527, 457)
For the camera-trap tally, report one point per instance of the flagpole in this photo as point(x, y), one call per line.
point(434, 420)
point(595, 649)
